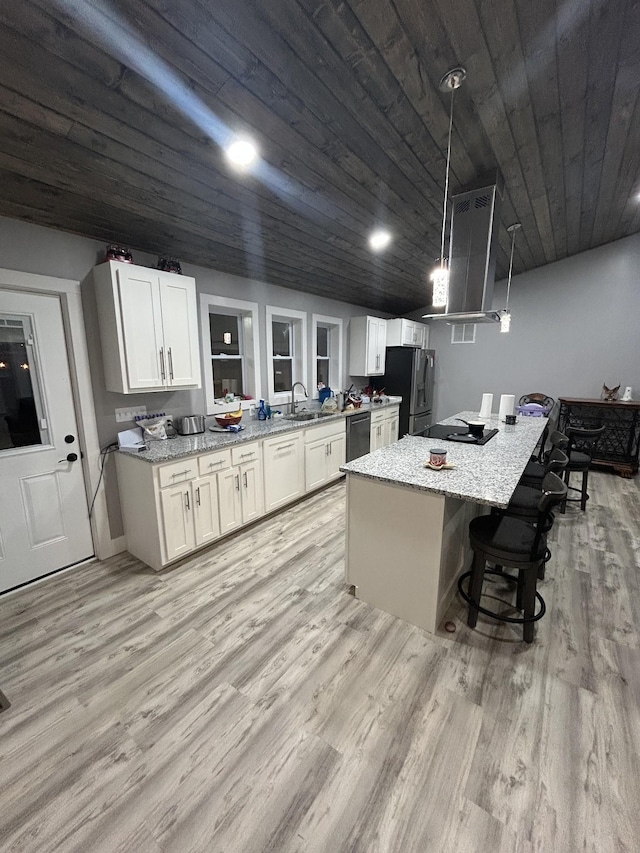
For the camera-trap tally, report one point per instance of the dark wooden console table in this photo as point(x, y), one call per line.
point(619, 445)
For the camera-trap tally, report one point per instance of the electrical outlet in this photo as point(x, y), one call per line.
point(128, 415)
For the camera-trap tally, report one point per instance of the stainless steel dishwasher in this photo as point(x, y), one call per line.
point(358, 435)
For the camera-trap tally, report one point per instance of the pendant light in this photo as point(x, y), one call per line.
point(505, 316)
point(451, 81)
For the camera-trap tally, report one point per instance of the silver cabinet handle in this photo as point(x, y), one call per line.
point(170, 363)
point(244, 477)
point(330, 448)
point(213, 464)
point(198, 495)
point(246, 455)
point(282, 446)
point(237, 482)
point(182, 473)
point(186, 500)
point(162, 371)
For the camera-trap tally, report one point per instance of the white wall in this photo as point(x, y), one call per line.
point(575, 326)
point(46, 251)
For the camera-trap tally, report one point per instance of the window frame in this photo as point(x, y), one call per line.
point(250, 338)
point(298, 322)
point(335, 326)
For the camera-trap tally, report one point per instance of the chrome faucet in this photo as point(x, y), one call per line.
point(293, 396)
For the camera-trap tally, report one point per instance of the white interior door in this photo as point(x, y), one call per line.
point(44, 522)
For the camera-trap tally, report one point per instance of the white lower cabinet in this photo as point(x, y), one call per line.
point(384, 427)
point(392, 425)
point(204, 492)
point(324, 453)
point(283, 469)
point(247, 463)
point(230, 500)
point(251, 492)
point(190, 516)
point(177, 521)
point(171, 509)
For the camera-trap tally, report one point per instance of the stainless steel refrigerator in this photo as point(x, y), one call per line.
point(409, 373)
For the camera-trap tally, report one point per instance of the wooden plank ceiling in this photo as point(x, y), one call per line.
point(112, 114)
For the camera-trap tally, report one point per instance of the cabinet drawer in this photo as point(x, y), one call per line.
point(245, 453)
point(211, 463)
point(378, 415)
point(178, 472)
point(314, 433)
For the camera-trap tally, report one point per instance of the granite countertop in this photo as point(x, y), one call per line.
point(190, 445)
point(486, 474)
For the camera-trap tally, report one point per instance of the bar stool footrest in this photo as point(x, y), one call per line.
point(518, 620)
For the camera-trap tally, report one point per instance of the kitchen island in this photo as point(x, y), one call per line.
point(407, 525)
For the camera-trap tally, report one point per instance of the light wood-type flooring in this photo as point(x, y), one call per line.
point(244, 701)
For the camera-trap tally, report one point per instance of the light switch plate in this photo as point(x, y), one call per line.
point(123, 415)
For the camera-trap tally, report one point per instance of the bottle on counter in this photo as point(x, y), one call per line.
point(262, 411)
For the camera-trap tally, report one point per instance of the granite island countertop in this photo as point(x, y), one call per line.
point(191, 445)
point(485, 474)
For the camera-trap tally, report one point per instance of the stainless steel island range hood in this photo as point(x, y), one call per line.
point(475, 218)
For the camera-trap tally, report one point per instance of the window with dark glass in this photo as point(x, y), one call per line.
point(282, 334)
point(323, 334)
point(226, 354)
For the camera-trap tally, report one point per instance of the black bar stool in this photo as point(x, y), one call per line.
point(525, 499)
point(548, 403)
point(516, 544)
point(582, 441)
point(535, 472)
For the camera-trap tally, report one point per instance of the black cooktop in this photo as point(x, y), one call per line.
point(445, 432)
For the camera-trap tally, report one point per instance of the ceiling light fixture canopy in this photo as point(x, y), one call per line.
point(451, 81)
point(505, 316)
point(379, 239)
point(241, 153)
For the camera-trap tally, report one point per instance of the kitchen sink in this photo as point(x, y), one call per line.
point(308, 416)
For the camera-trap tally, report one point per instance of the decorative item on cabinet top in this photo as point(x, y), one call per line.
point(169, 265)
point(118, 253)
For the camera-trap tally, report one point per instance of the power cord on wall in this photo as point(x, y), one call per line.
point(104, 452)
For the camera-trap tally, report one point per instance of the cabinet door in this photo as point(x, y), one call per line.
point(204, 492)
point(177, 520)
point(373, 354)
point(180, 327)
point(229, 500)
point(408, 333)
point(252, 491)
point(379, 334)
point(377, 435)
point(315, 464)
point(336, 456)
point(283, 470)
point(144, 356)
point(391, 425)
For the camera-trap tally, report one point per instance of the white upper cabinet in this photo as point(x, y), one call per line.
point(148, 327)
point(367, 346)
point(406, 333)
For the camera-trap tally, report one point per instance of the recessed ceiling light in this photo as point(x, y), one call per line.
point(379, 239)
point(241, 153)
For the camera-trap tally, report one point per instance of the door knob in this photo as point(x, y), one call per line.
point(69, 439)
point(70, 457)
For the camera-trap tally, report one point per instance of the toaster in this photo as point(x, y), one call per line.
point(190, 424)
